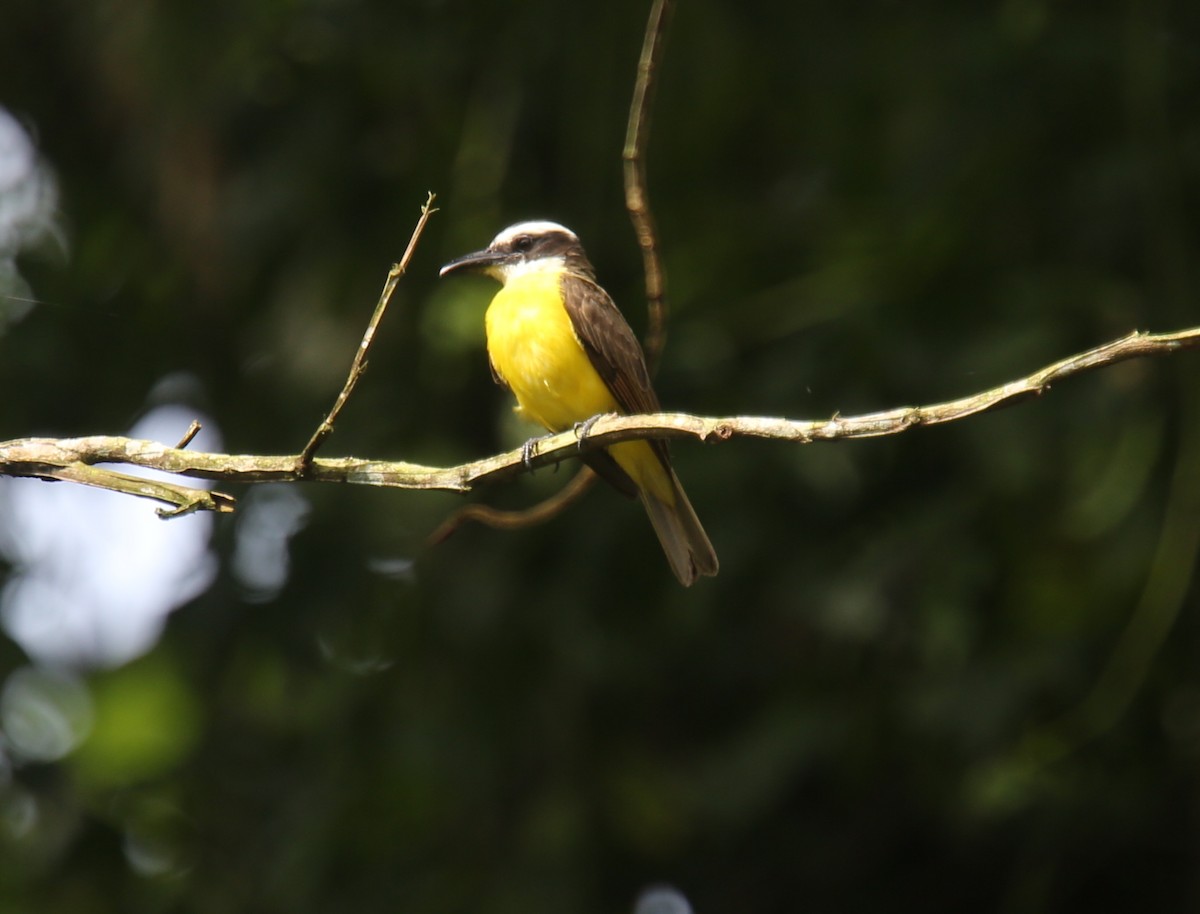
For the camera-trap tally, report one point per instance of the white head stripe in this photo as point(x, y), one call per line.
point(535, 227)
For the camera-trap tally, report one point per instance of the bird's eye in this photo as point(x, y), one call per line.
point(523, 243)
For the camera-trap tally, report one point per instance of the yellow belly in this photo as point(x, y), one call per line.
point(533, 348)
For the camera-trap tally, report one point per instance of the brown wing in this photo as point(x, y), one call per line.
point(610, 344)
point(611, 347)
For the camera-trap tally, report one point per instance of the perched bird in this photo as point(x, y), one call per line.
point(557, 341)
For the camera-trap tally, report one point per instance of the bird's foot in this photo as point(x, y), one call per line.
point(583, 429)
point(529, 448)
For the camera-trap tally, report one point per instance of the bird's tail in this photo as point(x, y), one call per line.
point(683, 539)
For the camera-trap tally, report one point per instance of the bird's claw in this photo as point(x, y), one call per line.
point(529, 449)
point(583, 429)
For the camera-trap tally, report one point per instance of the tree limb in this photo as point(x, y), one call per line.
point(72, 458)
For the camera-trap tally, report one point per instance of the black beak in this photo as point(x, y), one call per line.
point(480, 260)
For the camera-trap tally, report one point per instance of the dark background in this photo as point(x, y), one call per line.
point(953, 670)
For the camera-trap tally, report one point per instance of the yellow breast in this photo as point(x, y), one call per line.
point(533, 347)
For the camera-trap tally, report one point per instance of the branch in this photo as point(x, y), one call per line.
point(636, 197)
point(502, 519)
point(359, 365)
point(74, 459)
point(183, 499)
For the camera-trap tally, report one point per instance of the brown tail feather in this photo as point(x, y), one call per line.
point(683, 539)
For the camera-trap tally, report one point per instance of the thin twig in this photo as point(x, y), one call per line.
point(501, 519)
point(182, 499)
point(636, 195)
point(192, 431)
point(50, 457)
point(359, 365)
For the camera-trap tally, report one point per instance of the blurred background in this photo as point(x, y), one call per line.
point(956, 669)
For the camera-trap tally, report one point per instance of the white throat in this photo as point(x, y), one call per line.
point(509, 271)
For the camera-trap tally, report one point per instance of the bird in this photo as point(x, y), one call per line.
point(559, 343)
